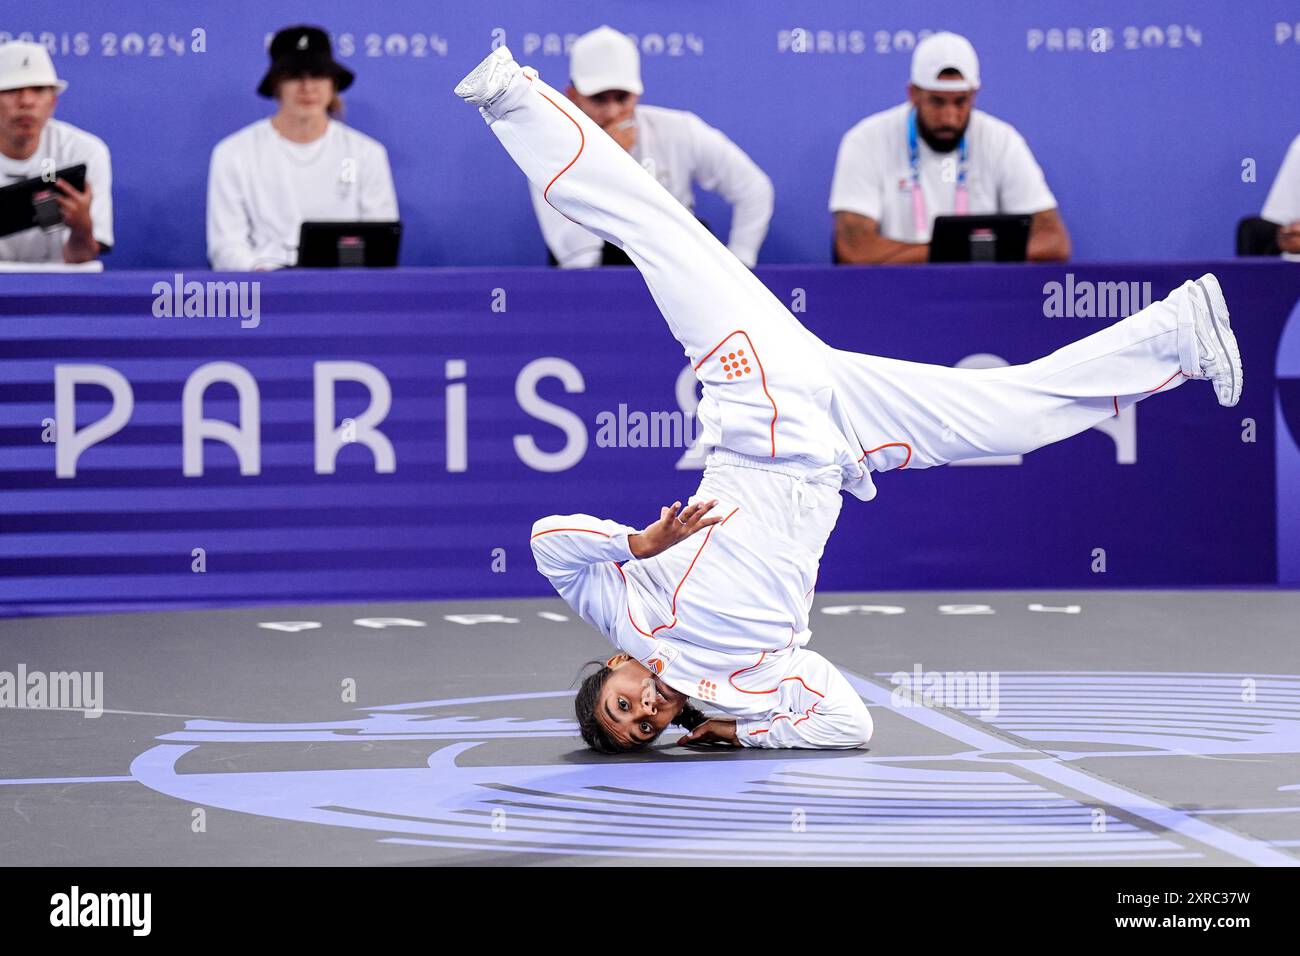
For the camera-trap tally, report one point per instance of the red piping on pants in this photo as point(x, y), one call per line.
point(582, 144)
point(892, 444)
point(1157, 388)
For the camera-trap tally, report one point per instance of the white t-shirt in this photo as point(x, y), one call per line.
point(262, 187)
point(1283, 203)
point(680, 150)
point(873, 175)
point(61, 145)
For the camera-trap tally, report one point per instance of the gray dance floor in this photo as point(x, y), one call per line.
point(1047, 728)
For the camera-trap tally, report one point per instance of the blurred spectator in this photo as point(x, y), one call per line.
point(1283, 203)
point(936, 155)
point(300, 165)
point(33, 144)
point(676, 147)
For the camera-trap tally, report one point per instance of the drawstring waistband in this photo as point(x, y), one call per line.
point(822, 475)
point(801, 495)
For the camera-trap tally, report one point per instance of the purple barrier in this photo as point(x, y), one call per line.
point(519, 393)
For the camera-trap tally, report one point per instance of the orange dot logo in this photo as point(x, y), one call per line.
point(735, 364)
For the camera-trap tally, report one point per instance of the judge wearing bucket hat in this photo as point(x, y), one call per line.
point(936, 155)
point(303, 52)
point(33, 144)
point(302, 164)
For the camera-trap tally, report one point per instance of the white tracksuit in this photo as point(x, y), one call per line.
point(723, 616)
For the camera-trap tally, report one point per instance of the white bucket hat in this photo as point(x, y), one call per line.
point(24, 64)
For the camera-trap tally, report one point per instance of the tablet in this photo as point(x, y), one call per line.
point(330, 245)
point(30, 202)
point(998, 238)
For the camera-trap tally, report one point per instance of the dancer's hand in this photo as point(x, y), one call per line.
point(671, 528)
point(715, 730)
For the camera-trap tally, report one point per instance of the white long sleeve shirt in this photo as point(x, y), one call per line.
point(1283, 203)
point(263, 187)
point(681, 151)
point(721, 617)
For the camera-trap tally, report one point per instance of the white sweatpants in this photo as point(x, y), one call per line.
point(774, 390)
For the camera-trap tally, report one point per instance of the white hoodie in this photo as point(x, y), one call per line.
point(722, 616)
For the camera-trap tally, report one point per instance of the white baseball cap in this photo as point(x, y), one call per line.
point(945, 51)
point(605, 59)
point(24, 64)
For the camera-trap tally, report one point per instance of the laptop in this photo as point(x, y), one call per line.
point(997, 238)
point(31, 202)
point(331, 245)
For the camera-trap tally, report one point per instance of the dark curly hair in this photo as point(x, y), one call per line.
point(593, 731)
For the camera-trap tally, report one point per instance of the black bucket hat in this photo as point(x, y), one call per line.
point(303, 51)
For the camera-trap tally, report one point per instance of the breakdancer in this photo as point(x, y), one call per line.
point(791, 422)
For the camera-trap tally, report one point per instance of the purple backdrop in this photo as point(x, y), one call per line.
point(1154, 146)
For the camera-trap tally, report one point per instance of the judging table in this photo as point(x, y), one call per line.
point(481, 399)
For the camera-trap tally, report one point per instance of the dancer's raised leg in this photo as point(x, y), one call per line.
point(907, 414)
point(763, 372)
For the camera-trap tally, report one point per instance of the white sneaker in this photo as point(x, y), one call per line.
point(1220, 357)
point(487, 81)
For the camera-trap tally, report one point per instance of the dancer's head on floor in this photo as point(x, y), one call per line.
point(622, 706)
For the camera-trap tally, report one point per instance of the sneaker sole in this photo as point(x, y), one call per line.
point(1219, 319)
point(478, 76)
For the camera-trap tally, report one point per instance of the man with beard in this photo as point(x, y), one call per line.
point(936, 155)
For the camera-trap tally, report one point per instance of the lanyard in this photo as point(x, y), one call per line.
point(962, 206)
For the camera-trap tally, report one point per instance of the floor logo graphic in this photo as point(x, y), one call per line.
point(974, 806)
point(1117, 714)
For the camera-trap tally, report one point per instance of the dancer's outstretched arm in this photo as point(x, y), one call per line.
point(580, 555)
